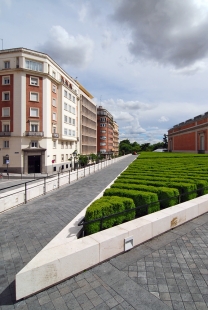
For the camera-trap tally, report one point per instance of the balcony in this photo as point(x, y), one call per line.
point(55, 135)
point(34, 133)
point(5, 133)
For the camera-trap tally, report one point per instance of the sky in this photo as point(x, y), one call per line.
point(145, 61)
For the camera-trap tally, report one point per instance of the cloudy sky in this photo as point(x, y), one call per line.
point(146, 61)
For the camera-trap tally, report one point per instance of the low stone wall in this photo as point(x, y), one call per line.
point(66, 256)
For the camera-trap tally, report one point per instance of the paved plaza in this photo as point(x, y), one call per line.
point(167, 272)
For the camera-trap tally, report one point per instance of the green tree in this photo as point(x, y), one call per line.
point(165, 141)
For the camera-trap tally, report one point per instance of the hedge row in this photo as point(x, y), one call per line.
point(140, 198)
point(168, 196)
point(106, 206)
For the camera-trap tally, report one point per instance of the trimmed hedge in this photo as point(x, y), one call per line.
point(140, 199)
point(106, 206)
point(168, 196)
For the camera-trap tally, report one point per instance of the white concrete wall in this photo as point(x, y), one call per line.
point(63, 257)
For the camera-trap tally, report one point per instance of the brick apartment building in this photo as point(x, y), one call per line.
point(115, 139)
point(190, 136)
point(104, 132)
point(41, 114)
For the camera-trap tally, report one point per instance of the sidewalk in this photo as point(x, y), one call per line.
point(167, 272)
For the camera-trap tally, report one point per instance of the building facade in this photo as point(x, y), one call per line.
point(115, 139)
point(88, 123)
point(190, 136)
point(39, 113)
point(104, 132)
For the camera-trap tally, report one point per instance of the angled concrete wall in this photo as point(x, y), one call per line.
point(64, 257)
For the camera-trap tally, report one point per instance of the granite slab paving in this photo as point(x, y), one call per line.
point(167, 272)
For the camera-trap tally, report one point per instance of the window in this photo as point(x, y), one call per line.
point(7, 65)
point(102, 137)
point(34, 143)
point(6, 128)
point(73, 122)
point(69, 96)
point(34, 112)
point(73, 110)
point(70, 120)
point(67, 157)
point(65, 131)
point(34, 127)
point(65, 93)
point(66, 146)
point(34, 96)
point(6, 144)
point(62, 157)
point(62, 145)
point(54, 158)
point(73, 133)
point(6, 80)
point(5, 160)
point(65, 106)
point(34, 65)
point(54, 116)
point(102, 143)
point(5, 95)
point(54, 102)
point(70, 132)
point(69, 108)
point(65, 119)
point(73, 99)
point(54, 88)
point(102, 125)
point(34, 81)
point(54, 144)
point(103, 119)
point(5, 112)
point(103, 131)
point(54, 74)
point(54, 129)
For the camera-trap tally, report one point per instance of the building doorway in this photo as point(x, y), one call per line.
point(34, 164)
point(202, 143)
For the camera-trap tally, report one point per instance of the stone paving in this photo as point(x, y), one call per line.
point(167, 272)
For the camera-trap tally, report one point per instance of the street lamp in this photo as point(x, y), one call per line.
point(7, 162)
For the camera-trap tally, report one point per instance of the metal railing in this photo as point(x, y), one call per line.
point(23, 192)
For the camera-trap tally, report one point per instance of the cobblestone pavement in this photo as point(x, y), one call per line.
point(167, 272)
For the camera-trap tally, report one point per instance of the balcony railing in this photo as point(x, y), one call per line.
point(55, 135)
point(5, 133)
point(34, 133)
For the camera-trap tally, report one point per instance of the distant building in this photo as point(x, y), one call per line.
point(190, 136)
point(104, 132)
point(88, 123)
point(115, 139)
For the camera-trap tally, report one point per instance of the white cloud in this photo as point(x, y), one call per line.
point(82, 13)
point(123, 116)
point(67, 49)
point(163, 119)
point(107, 39)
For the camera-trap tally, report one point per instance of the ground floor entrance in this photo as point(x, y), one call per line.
point(34, 164)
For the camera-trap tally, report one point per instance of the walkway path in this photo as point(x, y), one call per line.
point(167, 272)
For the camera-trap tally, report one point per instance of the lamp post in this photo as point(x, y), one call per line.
point(7, 162)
